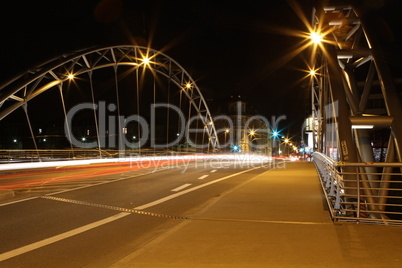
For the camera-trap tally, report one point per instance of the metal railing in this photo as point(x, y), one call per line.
point(361, 192)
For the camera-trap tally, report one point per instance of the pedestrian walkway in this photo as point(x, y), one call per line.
point(277, 219)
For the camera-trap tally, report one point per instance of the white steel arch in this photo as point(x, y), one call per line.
point(23, 88)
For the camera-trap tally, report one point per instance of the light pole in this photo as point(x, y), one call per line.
point(227, 131)
point(275, 135)
point(251, 134)
point(286, 141)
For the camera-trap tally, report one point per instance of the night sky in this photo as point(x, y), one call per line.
point(228, 47)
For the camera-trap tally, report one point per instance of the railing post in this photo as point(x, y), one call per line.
point(358, 193)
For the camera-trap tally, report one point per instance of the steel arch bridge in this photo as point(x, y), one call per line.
point(18, 91)
point(356, 118)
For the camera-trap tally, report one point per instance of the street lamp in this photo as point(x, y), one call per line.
point(316, 37)
point(287, 143)
point(227, 131)
point(252, 134)
point(145, 60)
point(275, 134)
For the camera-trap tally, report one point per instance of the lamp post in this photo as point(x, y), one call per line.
point(286, 142)
point(275, 135)
point(251, 134)
point(227, 131)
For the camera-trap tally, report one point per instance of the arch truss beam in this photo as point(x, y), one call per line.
point(23, 88)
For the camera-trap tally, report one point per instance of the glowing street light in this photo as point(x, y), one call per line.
point(70, 76)
point(316, 37)
point(145, 60)
point(227, 131)
point(236, 148)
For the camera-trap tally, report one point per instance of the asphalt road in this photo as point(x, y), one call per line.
point(93, 216)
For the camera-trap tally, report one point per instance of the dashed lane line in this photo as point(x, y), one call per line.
point(56, 238)
point(172, 196)
point(181, 187)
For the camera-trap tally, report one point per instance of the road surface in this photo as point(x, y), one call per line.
point(92, 216)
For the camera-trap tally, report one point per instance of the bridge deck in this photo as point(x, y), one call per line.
point(278, 219)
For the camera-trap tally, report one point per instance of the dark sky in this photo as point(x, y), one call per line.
point(227, 46)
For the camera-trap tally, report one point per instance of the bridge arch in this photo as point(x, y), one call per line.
point(53, 73)
point(352, 89)
point(356, 119)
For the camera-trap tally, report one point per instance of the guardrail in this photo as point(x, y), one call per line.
point(361, 192)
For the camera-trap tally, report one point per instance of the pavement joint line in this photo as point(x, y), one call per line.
point(124, 212)
point(139, 210)
point(128, 210)
point(261, 221)
point(159, 215)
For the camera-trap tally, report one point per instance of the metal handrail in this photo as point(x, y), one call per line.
point(356, 194)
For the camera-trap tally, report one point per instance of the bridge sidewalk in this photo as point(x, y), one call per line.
point(278, 219)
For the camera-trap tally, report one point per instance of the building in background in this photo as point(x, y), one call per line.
point(240, 128)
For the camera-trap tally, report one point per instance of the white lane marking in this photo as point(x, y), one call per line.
point(181, 187)
point(17, 201)
point(203, 177)
point(214, 170)
point(169, 197)
point(56, 238)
